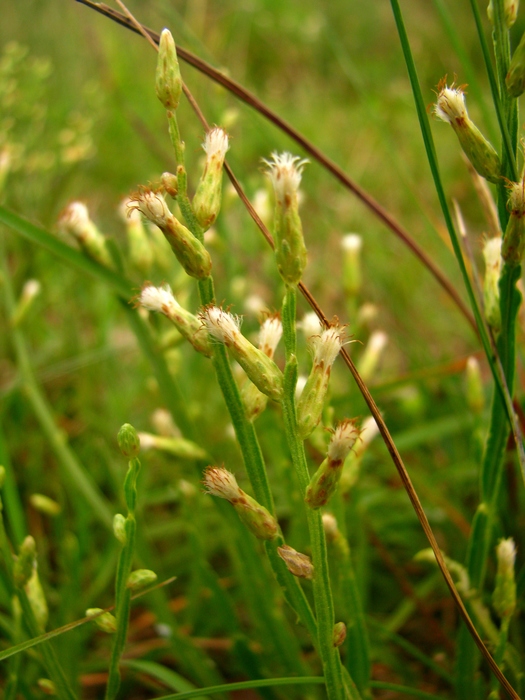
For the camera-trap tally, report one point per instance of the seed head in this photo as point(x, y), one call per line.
point(327, 344)
point(285, 172)
point(159, 299)
point(450, 105)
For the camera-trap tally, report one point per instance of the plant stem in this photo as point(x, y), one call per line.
point(122, 592)
point(324, 606)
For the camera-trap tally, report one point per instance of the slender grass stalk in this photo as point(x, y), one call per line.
point(321, 582)
point(125, 561)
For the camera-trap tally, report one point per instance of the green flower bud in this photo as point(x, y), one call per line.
point(189, 251)
point(30, 291)
point(450, 107)
point(339, 635)
point(504, 596)
point(140, 578)
point(168, 81)
point(75, 221)
point(161, 299)
point(324, 482)
point(47, 686)
point(25, 562)
point(297, 564)
point(290, 251)
point(269, 335)
point(352, 244)
point(141, 253)
point(37, 599)
point(128, 441)
point(514, 238)
point(45, 505)
point(510, 10)
point(222, 483)
point(260, 368)
point(492, 255)
point(119, 528)
point(105, 621)
point(326, 347)
point(475, 395)
point(515, 80)
point(207, 199)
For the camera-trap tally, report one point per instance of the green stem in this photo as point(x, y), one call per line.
point(324, 606)
point(122, 592)
point(244, 429)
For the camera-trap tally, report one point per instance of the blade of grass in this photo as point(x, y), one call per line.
point(245, 685)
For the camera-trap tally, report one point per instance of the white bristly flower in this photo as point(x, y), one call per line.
point(222, 483)
point(260, 368)
point(207, 199)
point(450, 107)
point(270, 334)
point(151, 205)
point(161, 299)
point(285, 170)
point(324, 482)
point(326, 347)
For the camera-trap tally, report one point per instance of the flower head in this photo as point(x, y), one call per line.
point(450, 104)
point(221, 324)
point(270, 334)
point(151, 204)
point(220, 482)
point(216, 144)
point(159, 299)
point(327, 344)
point(343, 439)
point(285, 172)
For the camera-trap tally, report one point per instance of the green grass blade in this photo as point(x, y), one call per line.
point(246, 685)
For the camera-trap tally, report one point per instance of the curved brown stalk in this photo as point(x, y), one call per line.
point(387, 438)
point(250, 99)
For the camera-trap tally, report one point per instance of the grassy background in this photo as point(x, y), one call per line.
point(80, 109)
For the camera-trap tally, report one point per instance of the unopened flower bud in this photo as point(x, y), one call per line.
point(369, 360)
point(128, 441)
point(30, 292)
point(515, 80)
point(222, 483)
point(119, 528)
point(351, 245)
point(450, 107)
point(37, 599)
point(47, 686)
point(504, 596)
point(189, 251)
point(285, 173)
point(177, 446)
point(475, 396)
point(514, 238)
point(168, 81)
point(510, 11)
point(325, 480)
point(141, 252)
point(75, 221)
point(207, 199)
point(326, 347)
point(169, 183)
point(25, 562)
point(161, 299)
point(339, 634)
point(45, 505)
point(261, 370)
point(105, 621)
point(140, 578)
point(492, 255)
point(297, 564)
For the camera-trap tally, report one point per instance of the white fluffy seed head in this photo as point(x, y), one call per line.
point(216, 143)
point(159, 299)
point(221, 324)
point(450, 104)
point(343, 439)
point(221, 483)
point(270, 334)
point(285, 172)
